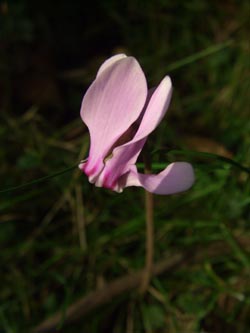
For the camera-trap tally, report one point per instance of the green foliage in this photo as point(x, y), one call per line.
point(63, 238)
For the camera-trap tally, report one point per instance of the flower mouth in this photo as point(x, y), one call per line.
point(98, 177)
point(90, 172)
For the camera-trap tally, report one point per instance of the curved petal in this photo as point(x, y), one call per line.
point(177, 177)
point(153, 114)
point(156, 109)
point(126, 155)
point(111, 104)
point(107, 63)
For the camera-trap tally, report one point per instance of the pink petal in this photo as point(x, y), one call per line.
point(110, 62)
point(177, 177)
point(112, 103)
point(153, 114)
point(126, 155)
point(156, 109)
point(119, 164)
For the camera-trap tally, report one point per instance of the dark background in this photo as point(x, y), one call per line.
point(63, 238)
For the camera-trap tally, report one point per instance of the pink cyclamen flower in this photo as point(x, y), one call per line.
point(120, 113)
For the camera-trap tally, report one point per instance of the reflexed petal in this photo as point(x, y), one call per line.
point(111, 104)
point(156, 109)
point(110, 62)
point(177, 177)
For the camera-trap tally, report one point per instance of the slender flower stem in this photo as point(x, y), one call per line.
point(149, 256)
point(198, 154)
point(212, 156)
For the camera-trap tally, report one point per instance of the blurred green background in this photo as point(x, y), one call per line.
point(63, 238)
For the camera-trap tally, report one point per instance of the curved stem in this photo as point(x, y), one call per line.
point(198, 154)
point(213, 156)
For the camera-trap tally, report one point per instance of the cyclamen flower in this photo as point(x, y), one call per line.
point(120, 113)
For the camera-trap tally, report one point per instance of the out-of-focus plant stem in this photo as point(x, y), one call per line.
point(149, 244)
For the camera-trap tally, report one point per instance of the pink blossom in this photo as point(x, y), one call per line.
point(120, 112)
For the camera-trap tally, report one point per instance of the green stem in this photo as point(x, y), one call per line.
point(210, 155)
point(149, 245)
point(199, 55)
point(200, 154)
point(38, 180)
point(149, 257)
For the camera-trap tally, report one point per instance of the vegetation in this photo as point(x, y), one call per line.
point(63, 238)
